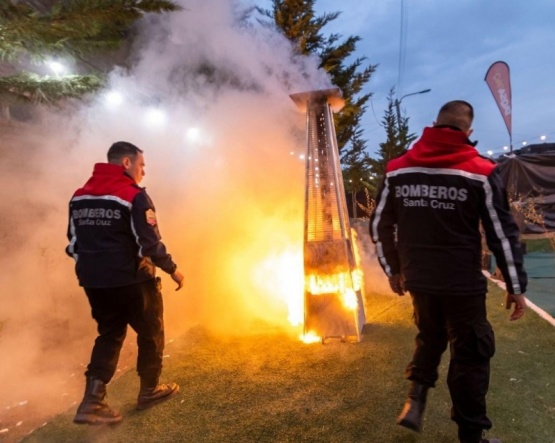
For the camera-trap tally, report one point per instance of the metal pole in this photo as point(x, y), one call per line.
point(398, 105)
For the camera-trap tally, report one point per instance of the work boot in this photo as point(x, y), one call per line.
point(475, 436)
point(482, 440)
point(93, 410)
point(411, 416)
point(152, 394)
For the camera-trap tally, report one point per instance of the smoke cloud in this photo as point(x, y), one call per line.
point(207, 99)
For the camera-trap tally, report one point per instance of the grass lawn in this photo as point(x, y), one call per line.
point(269, 387)
point(539, 245)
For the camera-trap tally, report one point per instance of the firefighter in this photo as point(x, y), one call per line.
point(114, 238)
point(426, 227)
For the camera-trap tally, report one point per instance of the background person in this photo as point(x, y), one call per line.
point(426, 227)
point(114, 239)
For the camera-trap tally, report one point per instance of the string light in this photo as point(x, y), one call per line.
point(113, 99)
point(155, 117)
point(193, 134)
point(56, 67)
point(523, 143)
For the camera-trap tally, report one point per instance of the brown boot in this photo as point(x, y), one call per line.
point(152, 394)
point(411, 416)
point(93, 410)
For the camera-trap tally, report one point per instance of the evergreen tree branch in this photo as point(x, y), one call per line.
point(78, 25)
point(37, 89)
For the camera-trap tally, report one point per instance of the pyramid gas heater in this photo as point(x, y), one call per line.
point(333, 300)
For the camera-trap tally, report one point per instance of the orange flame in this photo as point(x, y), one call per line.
point(310, 337)
point(344, 283)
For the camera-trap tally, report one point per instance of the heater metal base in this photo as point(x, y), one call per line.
point(327, 317)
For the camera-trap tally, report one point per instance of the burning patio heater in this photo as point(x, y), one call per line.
point(333, 299)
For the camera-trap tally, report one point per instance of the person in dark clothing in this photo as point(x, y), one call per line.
point(426, 228)
point(114, 238)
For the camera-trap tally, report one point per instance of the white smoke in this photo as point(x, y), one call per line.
point(207, 99)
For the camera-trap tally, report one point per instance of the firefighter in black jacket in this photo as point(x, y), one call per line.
point(426, 227)
point(114, 239)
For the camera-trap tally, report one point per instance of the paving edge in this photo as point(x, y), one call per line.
point(545, 315)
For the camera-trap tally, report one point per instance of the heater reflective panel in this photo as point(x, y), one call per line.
point(333, 299)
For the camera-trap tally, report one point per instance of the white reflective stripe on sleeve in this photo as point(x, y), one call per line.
point(507, 252)
point(140, 252)
point(375, 237)
point(71, 247)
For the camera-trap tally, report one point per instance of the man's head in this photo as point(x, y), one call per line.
point(130, 157)
point(456, 113)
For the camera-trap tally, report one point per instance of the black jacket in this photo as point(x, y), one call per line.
point(426, 225)
point(113, 232)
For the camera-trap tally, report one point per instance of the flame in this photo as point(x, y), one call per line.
point(310, 337)
point(280, 276)
point(350, 299)
point(344, 283)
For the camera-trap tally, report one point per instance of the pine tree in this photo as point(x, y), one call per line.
point(31, 33)
point(356, 168)
point(397, 142)
point(299, 23)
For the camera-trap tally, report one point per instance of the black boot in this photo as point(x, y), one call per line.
point(93, 410)
point(482, 440)
point(153, 393)
point(474, 436)
point(411, 416)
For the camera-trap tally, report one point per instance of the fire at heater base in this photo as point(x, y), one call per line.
point(327, 317)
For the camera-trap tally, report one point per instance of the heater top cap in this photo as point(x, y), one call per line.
point(333, 97)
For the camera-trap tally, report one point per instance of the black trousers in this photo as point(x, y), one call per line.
point(461, 322)
point(139, 306)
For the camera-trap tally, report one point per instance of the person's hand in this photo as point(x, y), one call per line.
point(397, 284)
point(519, 302)
point(178, 278)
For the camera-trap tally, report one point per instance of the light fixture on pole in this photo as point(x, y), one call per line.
point(398, 104)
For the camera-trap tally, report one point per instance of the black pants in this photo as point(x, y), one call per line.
point(462, 322)
point(139, 306)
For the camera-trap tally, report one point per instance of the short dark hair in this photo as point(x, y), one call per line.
point(457, 113)
point(119, 150)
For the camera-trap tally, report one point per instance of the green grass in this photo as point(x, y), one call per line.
point(539, 245)
point(269, 387)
